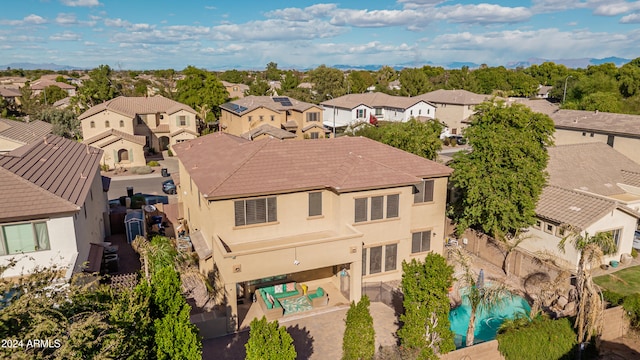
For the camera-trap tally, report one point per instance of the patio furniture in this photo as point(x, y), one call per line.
point(319, 297)
point(269, 298)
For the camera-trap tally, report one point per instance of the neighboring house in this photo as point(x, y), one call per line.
point(454, 107)
point(54, 205)
point(14, 82)
point(38, 87)
point(244, 116)
point(124, 126)
point(620, 131)
point(12, 96)
point(236, 91)
point(62, 103)
point(601, 194)
point(354, 108)
point(543, 91)
point(345, 211)
point(14, 134)
point(394, 85)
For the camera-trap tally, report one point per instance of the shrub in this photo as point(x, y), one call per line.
point(634, 253)
point(542, 338)
point(141, 170)
point(137, 201)
point(358, 341)
point(104, 167)
point(446, 142)
point(169, 152)
point(613, 298)
point(153, 163)
point(631, 305)
point(269, 340)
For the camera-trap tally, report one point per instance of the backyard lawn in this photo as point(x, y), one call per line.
point(623, 282)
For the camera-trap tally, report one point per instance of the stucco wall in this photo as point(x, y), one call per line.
point(110, 154)
point(7, 145)
point(630, 147)
point(100, 120)
point(569, 137)
point(452, 115)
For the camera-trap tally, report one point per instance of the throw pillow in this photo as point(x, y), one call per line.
point(291, 286)
point(277, 289)
point(271, 300)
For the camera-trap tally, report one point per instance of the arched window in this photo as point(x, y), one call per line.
point(123, 155)
point(92, 124)
point(121, 123)
point(106, 124)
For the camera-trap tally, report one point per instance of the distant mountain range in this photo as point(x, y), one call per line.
point(570, 63)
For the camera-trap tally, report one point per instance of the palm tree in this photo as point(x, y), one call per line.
point(590, 306)
point(482, 296)
point(507, 243)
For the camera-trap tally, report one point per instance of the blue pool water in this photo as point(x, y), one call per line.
point(487, 323)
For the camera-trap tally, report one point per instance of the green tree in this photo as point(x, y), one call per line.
point(592, 249)
point(51, 94)
point(269, 340)
point(65, 122)
point(358, 342)
point(425, 323)
point(98, 88)
point(327, 81)
point(29, 104)
point(420, 138)
point(234, 76)
point(272, 73)
point(414, 82)
point(259, 88)
point(200, 87)
point(359, 81)
point(500, 181)
point(629, 78)
point(602, 101)
point(290, 81)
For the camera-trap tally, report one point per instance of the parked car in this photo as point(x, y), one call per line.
point(636, 240)
point(169, 187)
point(459, 139)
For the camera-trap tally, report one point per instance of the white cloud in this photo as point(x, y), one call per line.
point(89, 43)
point(66, 19)
point(483, 14)
point(298, 14)
point(30, 19)
point(168, 35)
point(119, 23)
point(275, 29)
point(616, 8)
point(377, 18)
point(87, 3)
point(65, 36)
point(631, 19)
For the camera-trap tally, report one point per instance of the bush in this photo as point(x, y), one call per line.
point(631, 305)
point(104, 167)
point(269, 340)
point(153, 163)
point(634, 253)
point(542, 338)
point(141, 170)
point(358, 341)
point(137, 201)
point(169, 152)
point(446, 142)
point(613, 298)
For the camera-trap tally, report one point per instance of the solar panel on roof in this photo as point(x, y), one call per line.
point(286, 103)
point(280, 99)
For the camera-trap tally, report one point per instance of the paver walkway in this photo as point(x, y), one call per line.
point(315, 337)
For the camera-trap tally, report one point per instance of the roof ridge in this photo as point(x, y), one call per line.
point(263, 143)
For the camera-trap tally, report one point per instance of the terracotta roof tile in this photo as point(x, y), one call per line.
point(226, 166)
point(593, 167)
point(250, 103)
point(43, 84)
point(458, 97)
point(63, 167)
point(131, 106)
point(266, 129)
point(24, 132)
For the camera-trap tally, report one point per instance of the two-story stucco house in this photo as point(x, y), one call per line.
point(343, 210)
point(253, 117)
point(454, 107)
point(354, 108)
point(123, 127)
point(236, 91)
point(54, 205)
point(592, 188)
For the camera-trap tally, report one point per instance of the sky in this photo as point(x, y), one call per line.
point(302, 34)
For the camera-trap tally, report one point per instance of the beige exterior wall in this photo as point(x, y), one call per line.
point(238, 125)
point(544, 242)
point(181, 137)
point(629, 147)
point(174, 121)
point(7, 145)
point(100, 119)
point(625, 145)
point(110, 155)
point(452, 115)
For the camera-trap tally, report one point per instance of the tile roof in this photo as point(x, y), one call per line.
point(537, 105)
point(457, 97)
point(5, 92)
point(63, 167)
point(593, 167)
point(24, 132)
point(42, 84)
point(575, 208)
point(22, 200)
point(596, 121)
point(131, 106)
point(227, 166)
point(266, 129)
point(375, 99)
point(252, 102)
point(136, 139)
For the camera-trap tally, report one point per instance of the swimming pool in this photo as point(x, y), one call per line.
point(487, 323)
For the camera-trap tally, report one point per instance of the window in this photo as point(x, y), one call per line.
point(255, 211)
point(378, 111)
point(420, 242)
point(313, 116)
point(560, 231)
point(106, 124)
point(261, 118)
point(538, 224)
point(121, 123)
point(92, 124)
point(591, 134)
point(550, 228)
point(25, 237)
point(411, 112)
point(250, 118)
point(393, 204)
point(584, 133)
point(615, 234)
point(182, 120)
point(315, 204)
point(390, 256)
point(375, 260)
point(273, 117)
point(361, 113)
point(423, 192)
point(428, 111)
point(314, 135)
point(376, 211)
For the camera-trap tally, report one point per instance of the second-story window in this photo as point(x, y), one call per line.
point(121, 123)
point(315, 203)
point(106, 124)
point(423, 192)
point(373, 208)
point(256, 211)
point(420, 242)
point(250, 118)
point(92, 124)
point(182, 120)
point(313, 116)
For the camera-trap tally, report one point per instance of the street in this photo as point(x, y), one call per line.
point(150, 185)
